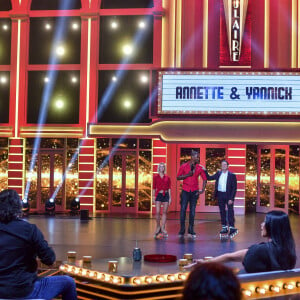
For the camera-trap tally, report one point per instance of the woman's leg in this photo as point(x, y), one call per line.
point(157, 216)
point(164, 216)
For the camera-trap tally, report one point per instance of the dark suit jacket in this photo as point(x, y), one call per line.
point(231, 185)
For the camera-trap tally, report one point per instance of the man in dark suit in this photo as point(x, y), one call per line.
point(225, 190)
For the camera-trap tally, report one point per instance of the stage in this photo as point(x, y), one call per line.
point(113, 236)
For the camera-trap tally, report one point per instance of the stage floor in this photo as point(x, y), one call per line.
point(112, 236)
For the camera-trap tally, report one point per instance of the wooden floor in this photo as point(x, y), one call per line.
point(115, 236)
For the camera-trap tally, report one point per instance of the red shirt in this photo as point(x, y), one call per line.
point(161, 184)
point(191, 183)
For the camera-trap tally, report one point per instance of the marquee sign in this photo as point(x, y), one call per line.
point(230, 93)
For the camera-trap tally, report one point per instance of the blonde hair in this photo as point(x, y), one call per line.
point(161, 164)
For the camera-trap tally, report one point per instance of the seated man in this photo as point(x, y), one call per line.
point(20, 244)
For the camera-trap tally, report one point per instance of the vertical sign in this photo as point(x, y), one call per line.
point(235, 30)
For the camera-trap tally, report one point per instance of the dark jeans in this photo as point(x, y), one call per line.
point(192, 198)
point(223, 202)
point(52, 286)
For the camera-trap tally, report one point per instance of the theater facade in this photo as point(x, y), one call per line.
point(94, 94)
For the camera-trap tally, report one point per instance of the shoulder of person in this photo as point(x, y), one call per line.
point(259, 247)
point(202, 167)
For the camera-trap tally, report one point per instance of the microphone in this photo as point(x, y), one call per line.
point(192, 167)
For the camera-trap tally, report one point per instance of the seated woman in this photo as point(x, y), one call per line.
point(278, 253)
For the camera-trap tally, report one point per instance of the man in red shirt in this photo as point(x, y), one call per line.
point(189, 172)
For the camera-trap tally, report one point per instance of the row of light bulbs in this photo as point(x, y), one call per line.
point(105, 277)
point(74, 26)
point(274, 288)
point(115, 25)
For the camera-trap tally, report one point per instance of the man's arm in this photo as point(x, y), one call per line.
point(211, 177)
point(203, 186)
point(44, 252)
point(181, 176)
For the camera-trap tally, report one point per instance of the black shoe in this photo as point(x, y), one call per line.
point(193, 234)
point(233, 232)
point(181, 233)
point(224, 230)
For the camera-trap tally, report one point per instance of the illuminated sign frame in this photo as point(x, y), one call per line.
point(233, 93)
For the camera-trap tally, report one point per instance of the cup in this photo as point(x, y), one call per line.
point(112, 266)
point(182, 262)
point(71, 257)
point(137, 254)
point(189, 257)
point(87, 262)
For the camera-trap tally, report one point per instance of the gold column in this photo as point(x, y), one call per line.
point(168, 35)
point(294, 34)
point(205, 33)
point(267, 35)
point(298, 35)
point(178, 24)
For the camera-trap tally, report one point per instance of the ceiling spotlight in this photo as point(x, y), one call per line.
point(75, 25)
point(142, 24)
point(59, 104)
point(74, 79)
point(48, 26)
point(127, 103)
point(114, 78)
point(60, 50)
point(144, 79)
point(114, 25)
point(46, 79)
point(3, 79)
point(5, 27)
point(127, 49)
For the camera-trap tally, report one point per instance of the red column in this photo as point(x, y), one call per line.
point(15, 165)
point(86, 173)
point(280, 34)
point(18, 70)
point(159, 154)
point(188, 34)
point(237, 164)
point(257, 38)
point(213, 33)
point(157, 36)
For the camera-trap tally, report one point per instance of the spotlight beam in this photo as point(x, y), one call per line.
point(106, 99)
point(47, 93)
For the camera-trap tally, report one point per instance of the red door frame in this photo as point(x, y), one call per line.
point(265, 209)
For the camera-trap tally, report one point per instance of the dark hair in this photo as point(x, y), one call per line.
point(194, 153)
point(278, 229)
point(224, 160)
point(212, 281)
point(10, 206)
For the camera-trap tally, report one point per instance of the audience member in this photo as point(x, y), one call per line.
point(278, 253)
point(212, 281)
point(20, 244)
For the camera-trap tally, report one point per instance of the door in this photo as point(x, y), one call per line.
point(210, 157)
point(50, 178)
point(123, 182)
point(273, 178)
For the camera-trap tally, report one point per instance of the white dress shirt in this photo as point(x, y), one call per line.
point(222, 182)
